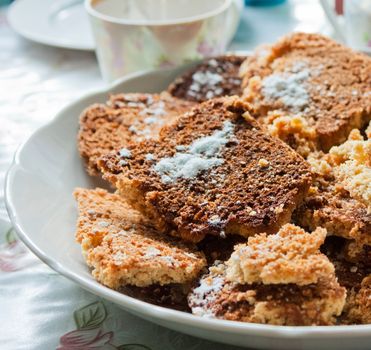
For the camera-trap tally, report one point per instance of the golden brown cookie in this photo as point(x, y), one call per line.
point(340, 198)
point(124, 118)
point(279, 304)
point(310, 91)
point(123, 248)
point(289, 256)
point(214, 77)
point(214, 171)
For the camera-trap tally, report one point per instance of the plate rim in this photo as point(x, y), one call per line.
point(143, 308)
point(12, 14)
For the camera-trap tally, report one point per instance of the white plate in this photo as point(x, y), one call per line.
point(39, 200)
point(62, 23)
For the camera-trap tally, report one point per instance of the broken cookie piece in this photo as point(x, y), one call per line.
point(340, 198)
point(310, 91)
point(99, 213)
point(278, 304)
point(123, 248)
point(354, 273)
point(358, 307)
point(290, 256)
point(214, 171)
point(214, 77)
point(351, 166)
point(335, 210)
point(124, 118)
point(350, 268)
point(281, 279)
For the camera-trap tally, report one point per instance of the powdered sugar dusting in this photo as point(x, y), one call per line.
point(205, 294)
point(146, 132)
point(154, 113)
point(203, 154)
point(290, 86)
point(150, 156)
point(184, 166)
point(155, 110)
point(151, 252)
point(118, 258)
point(209, 285)
point(103, 224)
point(206, 80)
point(215, 220)
point(150, 120)
point(125, 153)
point(213, 63)
point(181, 148)
point(169, 260)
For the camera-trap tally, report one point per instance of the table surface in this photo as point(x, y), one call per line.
point(39, 308)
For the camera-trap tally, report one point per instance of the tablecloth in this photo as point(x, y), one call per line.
point(40, 309)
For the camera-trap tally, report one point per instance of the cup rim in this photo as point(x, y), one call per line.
point(94, 13)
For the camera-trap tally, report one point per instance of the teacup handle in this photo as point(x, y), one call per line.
point(332, 17)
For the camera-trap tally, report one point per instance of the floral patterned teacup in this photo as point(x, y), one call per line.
point(134, 35)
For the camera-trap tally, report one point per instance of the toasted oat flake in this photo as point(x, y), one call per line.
point(263, 163)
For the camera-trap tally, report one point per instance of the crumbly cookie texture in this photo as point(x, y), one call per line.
point(100, 213)
point(350, 267)
point(368, 131)
point(336, 211)
point(351, 165)
point(289, 256)
point(358, 307)
point(294, 129)
point(124, 118)
point(123, 248)
point(353, 270)
point(203, 298)
point(340, 198)
point(214, 172)
point(279, 304)
point(310, 91)
point(214, 77)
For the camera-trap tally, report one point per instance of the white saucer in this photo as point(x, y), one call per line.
point(60, 23)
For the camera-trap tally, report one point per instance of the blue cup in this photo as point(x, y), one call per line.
point(5, 2)
point(263, 2)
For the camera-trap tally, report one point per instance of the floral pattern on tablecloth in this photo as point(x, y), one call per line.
point(12, 253)
point(89, 334)
point(63, 316)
